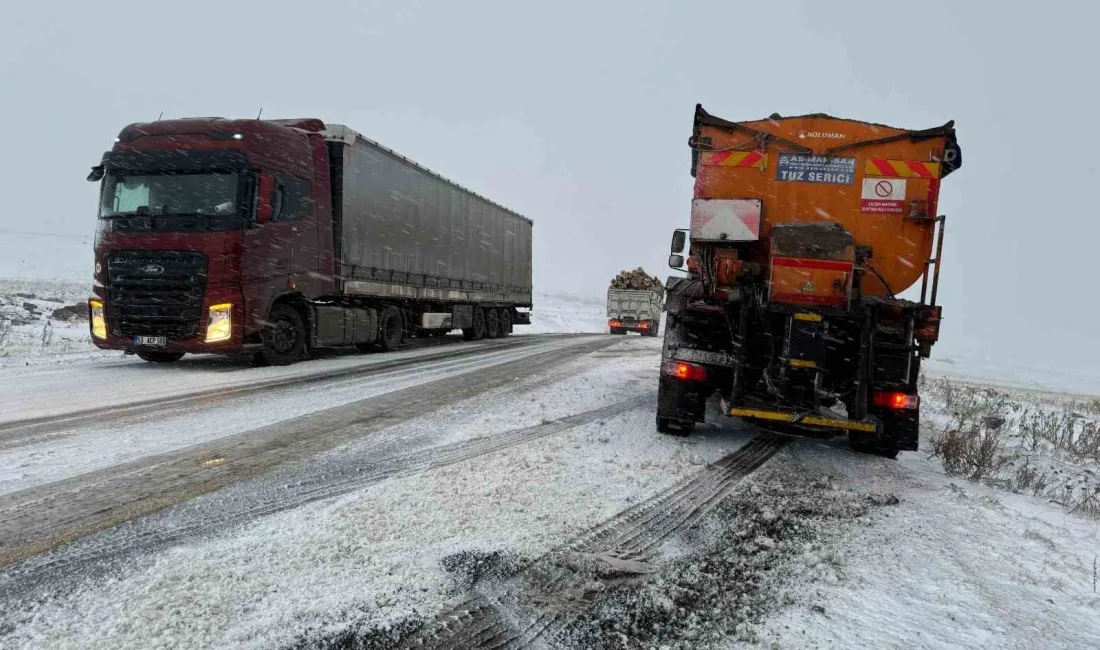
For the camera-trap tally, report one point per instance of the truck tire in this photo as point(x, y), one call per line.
point(492, 324)
point(674, 427)
point(284, 337)
point(477, 331)
point(884, 443)
point(618, 330)
point(391, 329)
point(873, 447)
point(505, 322)
point(153, 356)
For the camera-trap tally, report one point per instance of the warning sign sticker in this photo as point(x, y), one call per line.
point(808, 168)
point(883, 196)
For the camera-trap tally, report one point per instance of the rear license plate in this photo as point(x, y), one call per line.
point(151, 341)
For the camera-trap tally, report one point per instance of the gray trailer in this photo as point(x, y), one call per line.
point(631, 310)
point(403, 234)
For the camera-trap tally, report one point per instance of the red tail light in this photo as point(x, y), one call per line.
point(685, 371)
point(643, 325)
point(895, 401)
point(613, 323)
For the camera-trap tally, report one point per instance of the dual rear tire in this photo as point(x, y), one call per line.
point(489, 323)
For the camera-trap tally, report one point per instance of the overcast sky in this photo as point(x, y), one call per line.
point(577, 114)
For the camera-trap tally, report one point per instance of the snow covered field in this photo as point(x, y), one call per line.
point(27, 254)
point(500, 504)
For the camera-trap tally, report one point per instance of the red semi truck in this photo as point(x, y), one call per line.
point(272, 237)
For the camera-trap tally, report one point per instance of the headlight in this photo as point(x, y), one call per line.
point(219, 326)
point(99, 324)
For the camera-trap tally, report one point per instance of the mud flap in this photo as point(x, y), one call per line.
point(680, 401)
point(900, 428)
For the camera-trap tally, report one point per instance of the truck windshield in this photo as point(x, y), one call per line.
point(128, 195)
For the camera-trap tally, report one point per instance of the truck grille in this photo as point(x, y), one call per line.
point(155, 292)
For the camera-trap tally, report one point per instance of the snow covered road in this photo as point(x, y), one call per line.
point(162, 468)
point(510, 496)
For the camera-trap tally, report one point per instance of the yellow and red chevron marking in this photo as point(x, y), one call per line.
point(733, 159)
point(901, 168)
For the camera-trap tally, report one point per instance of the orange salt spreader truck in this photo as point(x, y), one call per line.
point(804, 233)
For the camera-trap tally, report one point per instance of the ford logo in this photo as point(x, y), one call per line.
point(152, 269)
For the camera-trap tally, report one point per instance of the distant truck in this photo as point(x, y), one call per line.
point(274, 237)
point(631, 310)
point(804, 233)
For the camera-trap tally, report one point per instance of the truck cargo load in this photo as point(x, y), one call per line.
point(274, 237)
point(630, 310)
point(635, 300)
point(803, 232)
point(400, 225)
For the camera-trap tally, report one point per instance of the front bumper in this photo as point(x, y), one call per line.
point(195, 344)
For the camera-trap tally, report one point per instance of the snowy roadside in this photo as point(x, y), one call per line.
point(563, 312)
point(45, 322)
point(1004, 562)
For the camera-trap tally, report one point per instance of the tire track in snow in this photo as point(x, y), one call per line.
point(148, 536)
point(513, 617)
point(40, 519)
point(21, 432)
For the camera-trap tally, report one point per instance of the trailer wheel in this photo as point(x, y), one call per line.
point(153, 356)
point(284, 337)
point(390, 329)
point(505, 322)
point(477, 331)
point(492, 324)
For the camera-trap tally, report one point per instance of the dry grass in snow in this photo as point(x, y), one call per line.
point(1043, 444)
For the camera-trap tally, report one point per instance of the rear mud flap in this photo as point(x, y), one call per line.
point(678, 400)
point(902, 427)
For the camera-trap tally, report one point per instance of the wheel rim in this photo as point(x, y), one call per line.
point(284, 336)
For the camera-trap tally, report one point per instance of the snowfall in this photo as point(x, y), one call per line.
point(445, 525)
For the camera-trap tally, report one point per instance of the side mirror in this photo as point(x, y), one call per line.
point(676, 261)
point(96, 174)
point(679, 238)
point(265, 190)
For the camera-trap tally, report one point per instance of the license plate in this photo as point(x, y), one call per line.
point(151, 341)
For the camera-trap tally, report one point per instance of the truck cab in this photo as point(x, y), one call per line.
point(203, 224)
